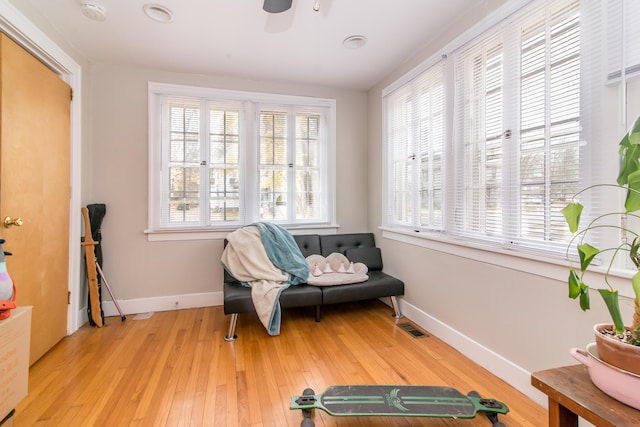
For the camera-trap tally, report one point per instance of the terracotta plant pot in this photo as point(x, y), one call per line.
point(619, 354)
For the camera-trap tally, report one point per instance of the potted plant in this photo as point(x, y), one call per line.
point(622, 342)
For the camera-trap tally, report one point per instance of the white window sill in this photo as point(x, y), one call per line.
point(221, 233)
point(545, 267)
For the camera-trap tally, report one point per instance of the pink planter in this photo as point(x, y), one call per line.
point(621, 385)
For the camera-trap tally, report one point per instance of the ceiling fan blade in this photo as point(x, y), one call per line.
point(276, 6)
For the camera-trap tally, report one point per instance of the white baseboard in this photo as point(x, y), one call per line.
point(164, 303)
point(504, 369)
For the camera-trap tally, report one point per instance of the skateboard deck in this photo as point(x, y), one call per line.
point(397, 400)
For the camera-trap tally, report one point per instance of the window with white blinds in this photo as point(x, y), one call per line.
point(203, 182)
point(518, 124)
point(290, 170)
point(415, 144)
point(521, 100)
point(223, 159)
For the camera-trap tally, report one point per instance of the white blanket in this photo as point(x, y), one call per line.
point(246, 259)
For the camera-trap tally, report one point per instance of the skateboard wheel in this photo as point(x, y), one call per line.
point(307, 422)
point(308, 392)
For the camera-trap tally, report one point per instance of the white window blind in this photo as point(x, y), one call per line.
point(415, 131)
point(528, 115)
point(479, 153)
point(518, 129)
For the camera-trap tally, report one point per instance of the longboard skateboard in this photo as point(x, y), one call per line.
point(396, 400)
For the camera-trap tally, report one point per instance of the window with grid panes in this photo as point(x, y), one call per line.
point(416, 119)
point(290, 172)
point(230, 162)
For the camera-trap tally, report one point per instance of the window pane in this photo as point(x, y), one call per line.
point(308, 196)
point(184, 160)
point(224, 194)
point(273, 194)
point(273, 138)
point(431, 143)
point(550, 126)
point(184, 194)
point(224, 175)
point(308, 190)
point(307, 140)
point(185, 133)
point(481, 166)
point(415, 134)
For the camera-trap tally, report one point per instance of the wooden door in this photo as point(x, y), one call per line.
point(35, 186)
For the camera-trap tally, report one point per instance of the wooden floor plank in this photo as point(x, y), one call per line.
point(175, 369)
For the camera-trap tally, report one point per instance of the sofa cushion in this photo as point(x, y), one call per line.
point(371, 257)
point(341, 242)
point(237, 298)
point(309, 244)
point(379, 285)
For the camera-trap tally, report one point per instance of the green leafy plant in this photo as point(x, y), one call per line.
point(628, 181)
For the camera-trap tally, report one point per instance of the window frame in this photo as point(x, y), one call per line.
point(249, 144)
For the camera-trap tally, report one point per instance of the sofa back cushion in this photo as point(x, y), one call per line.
point(371, 257)
point(309, 244)
point(341, 243)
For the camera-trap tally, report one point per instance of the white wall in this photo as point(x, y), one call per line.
point(141, 270)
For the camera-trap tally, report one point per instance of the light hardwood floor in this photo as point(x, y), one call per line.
point(175, 369)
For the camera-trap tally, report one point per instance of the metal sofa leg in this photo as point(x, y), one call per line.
point(318, 313)
point(396, 309)
point(231, 335)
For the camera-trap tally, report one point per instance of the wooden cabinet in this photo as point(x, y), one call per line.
point(14, 359)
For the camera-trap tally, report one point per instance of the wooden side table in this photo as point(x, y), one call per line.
point(572, 394)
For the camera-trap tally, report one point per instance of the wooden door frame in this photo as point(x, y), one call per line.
point(32, 39)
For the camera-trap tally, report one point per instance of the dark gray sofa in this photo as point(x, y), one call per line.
point(357, 247)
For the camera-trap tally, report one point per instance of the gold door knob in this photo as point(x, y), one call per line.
point(8, 222)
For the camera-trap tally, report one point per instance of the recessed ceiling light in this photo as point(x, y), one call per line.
point(93, 10)
point(354, 42)
point(158, 13)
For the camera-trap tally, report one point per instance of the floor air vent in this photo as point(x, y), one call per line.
point(412, 330)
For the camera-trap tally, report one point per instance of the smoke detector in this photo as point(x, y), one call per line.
point(94, 10)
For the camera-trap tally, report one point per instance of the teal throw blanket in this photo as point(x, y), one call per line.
point(283, 251)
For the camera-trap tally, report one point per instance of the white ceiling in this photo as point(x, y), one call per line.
point(238, 38)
